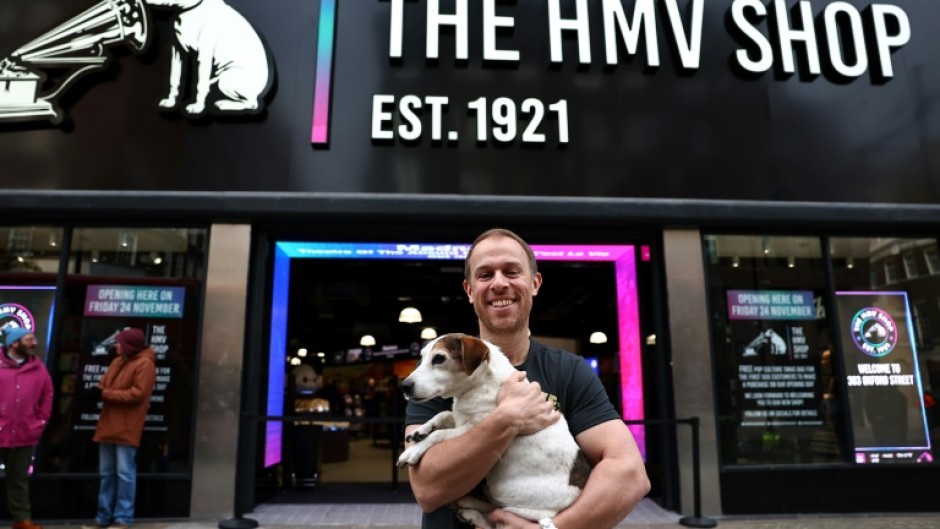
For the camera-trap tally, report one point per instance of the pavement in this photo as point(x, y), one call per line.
point(647, 515)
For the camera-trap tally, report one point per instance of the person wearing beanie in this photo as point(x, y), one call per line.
point(125, 394)
point(26, 397)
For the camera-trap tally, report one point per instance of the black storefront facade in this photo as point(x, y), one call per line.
point(766, 205)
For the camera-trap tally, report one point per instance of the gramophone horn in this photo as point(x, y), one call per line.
point(81, 39)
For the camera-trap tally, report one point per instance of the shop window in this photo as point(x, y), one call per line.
point(30, 250)
point(890, 359)
point(150, 278)
point(29, 261)
point(776, 394)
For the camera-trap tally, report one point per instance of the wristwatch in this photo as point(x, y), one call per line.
point(547, 523)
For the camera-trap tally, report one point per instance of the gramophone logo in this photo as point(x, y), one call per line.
point(231, 70)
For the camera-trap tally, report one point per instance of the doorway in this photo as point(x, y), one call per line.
point(348, 320)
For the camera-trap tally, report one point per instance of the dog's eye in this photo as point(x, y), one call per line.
point(438, 359)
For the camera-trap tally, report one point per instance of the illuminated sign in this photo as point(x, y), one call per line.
point(771, 305)
point(30, 308)
point(232, 73)
point(889, 422)
point(134, 301)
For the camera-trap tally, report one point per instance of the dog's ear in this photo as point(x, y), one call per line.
point(475, 352)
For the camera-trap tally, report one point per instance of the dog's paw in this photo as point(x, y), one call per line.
point(415, 437)
point(410, 456)
point(195, 109)
point(168, 103)
point(476, 518)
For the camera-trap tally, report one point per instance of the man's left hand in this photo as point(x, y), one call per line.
point(507, 520)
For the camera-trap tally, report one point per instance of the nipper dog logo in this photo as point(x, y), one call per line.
point(213, 46)
point(874, 332)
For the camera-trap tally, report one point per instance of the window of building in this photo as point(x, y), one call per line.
point(30, 250)
point(149, 278)
point(891, 271)
point(910, 265)
point(773, 350)
point(888, 352)
point(933, 260)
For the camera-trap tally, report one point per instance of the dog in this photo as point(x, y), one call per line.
point(228, 54)
point(538, 476)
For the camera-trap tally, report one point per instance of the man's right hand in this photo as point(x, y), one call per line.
point(523, 404)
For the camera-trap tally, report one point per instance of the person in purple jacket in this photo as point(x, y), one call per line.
point(25, 406)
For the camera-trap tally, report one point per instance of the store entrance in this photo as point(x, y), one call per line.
point(348, 320)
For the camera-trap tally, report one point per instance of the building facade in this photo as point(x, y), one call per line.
point(744, 193)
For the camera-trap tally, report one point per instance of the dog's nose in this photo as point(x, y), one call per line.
point(408, 388)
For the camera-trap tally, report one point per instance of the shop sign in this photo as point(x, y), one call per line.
point(134, 301)
point(232, 71)
point(220, 64)
point(28, 307)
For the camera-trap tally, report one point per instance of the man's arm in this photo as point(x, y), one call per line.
point(617, 483)
point(451, 469)
point(141, 387)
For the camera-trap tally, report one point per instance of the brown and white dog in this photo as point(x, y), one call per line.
point(538, 476)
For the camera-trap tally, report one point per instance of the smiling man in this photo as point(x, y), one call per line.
point(501, 279)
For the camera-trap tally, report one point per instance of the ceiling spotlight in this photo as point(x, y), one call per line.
point(428, 333)
point(791, 262)
point(651, 339)
point(302, 352)
point(850, 262)
point(735, 261)
point(295, 361)
point(367, 340)
point(321, 354)
point(765, 245)
point(409, 315)
point(52, 239)
point(598, 337)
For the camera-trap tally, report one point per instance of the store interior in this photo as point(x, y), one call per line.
point(355, 328)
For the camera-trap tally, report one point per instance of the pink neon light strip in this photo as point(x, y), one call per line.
point(628, 318)
point(320, 130)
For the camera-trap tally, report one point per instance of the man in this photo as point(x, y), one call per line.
point(26, 403)
point(125, 392)
point(501, 279)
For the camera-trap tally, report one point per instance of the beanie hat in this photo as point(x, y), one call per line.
point(13, 335)
point(131, 341)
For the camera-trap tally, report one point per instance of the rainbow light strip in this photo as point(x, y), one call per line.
point(628, 319)
point(277, 358)
point(326, 36)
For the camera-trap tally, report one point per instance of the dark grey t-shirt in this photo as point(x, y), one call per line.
point(580, 395)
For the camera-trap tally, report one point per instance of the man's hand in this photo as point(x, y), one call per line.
point(507, 520)
point(523, 403)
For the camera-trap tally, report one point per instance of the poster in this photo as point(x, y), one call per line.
point(30, 308)
point(778, 380)
point(156, 310)
point(889, 423)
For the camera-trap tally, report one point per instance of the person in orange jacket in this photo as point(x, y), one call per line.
point(125, 393)
point(25, 406)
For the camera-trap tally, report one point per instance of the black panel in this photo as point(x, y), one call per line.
point(76, 498)
point(829, 489)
